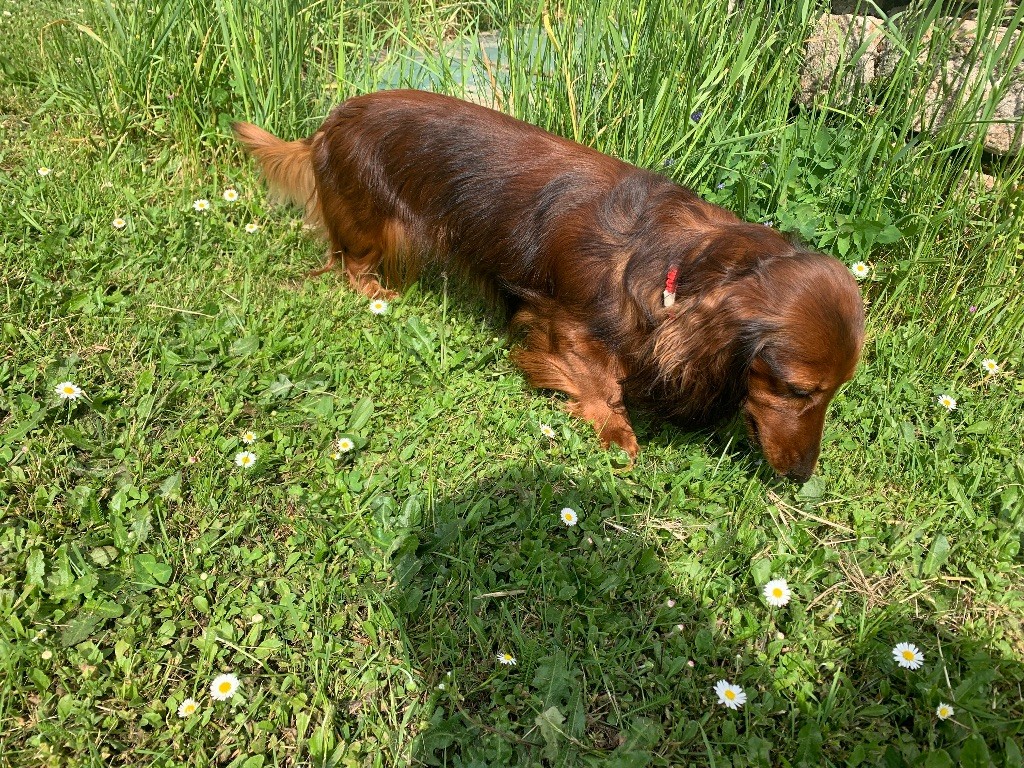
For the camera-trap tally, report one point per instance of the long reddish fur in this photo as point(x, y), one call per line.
point(577, 245)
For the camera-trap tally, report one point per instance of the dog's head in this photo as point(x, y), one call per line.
point(761, 325)
point(808, 324)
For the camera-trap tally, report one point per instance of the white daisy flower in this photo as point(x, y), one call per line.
point(44, 171)
point(547, 431)
point(777, 593)
point(118, 223)
point(223, 687)
point(908, 656)
point(991, 366)
point(251, 227)
point(944, 711)
point(507, 659)
point(248, 437)
point(947, 402)
point(188, 707)
point(69, 390)
point(230, 195)
point(345, 445)
point(378, 306)
point(569, 516)
point(201, 204)
point(860, 270)
point(245, 459)
point(730, 695)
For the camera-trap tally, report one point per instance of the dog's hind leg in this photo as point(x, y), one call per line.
point(560, 353)
point(363, 250)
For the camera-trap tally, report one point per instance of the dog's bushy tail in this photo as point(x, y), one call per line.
point(287, 167)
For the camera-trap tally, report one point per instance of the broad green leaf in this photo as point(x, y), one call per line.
point(1012, 751)
point(80, 629)
point(938, 759)
point(244, 346)
point(937, 556)
point(104, 556)
point(361, 413)
point(35, 568)
point(77, 439)
point(170, 488)
point(550, 722)
point(761, 571)
point(974, 753)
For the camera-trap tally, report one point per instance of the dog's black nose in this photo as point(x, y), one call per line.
point(800, 475)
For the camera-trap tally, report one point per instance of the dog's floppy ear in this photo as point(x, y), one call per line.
point(755, 333)
point(705, 346)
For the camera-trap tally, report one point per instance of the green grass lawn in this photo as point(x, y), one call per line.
point(362, 597)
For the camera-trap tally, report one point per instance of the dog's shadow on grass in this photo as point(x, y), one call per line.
point(535, 637)
point(545, 643)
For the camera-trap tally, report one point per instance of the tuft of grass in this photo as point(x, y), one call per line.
point(362, 596)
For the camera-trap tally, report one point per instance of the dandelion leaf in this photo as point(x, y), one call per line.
point(550, 723)
point(1014, 757)
point(937, 556)
point(810, 740)
point(81, 629)
point(974, 753)
point(35, 568)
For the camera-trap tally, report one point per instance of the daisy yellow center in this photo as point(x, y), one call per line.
point(225, 687)
point(190, 708)
point(944, 711)
point(908, 655)
point(69, 390)
point(730, 695)
point(776, 592)
point(246, 460)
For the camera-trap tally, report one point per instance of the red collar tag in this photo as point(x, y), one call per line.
point(670, 286)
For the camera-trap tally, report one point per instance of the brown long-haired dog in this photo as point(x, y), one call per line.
point(624, 285)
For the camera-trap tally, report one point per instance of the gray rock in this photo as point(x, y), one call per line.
point(840, 45)
point(846, 52)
